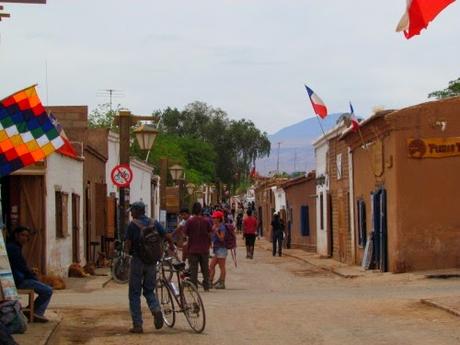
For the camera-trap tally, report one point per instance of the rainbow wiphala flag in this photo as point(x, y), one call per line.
point(27, 134)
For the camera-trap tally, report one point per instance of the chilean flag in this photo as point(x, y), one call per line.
point(318, 105)
point(419, 14)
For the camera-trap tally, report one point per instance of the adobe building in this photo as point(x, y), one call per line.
point(338, 158)
point(265, 203)
point(93, 143)
point(405, 166)
point(301, 211)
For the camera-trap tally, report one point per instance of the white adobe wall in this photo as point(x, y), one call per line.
point(321, 169)
point(141, 184)
point(66, 175)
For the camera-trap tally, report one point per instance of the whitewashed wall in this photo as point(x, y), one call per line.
point(280, 198)
point(321, 170)
point(141, 185)
point(62, 174)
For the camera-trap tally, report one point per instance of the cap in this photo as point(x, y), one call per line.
point(138, 205)
point(218, 214)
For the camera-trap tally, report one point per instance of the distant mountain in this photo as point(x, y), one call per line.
point(296, 151)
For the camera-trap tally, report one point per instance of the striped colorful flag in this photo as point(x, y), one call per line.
point(27, 134)
point(318, 105)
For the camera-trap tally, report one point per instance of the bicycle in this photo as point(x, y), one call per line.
point(185, 296)
point(120, 264)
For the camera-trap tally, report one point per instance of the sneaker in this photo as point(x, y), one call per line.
point(158, 319)
point(220, 285)
point(136, 330)
point(40, 318)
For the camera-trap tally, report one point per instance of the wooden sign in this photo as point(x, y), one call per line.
point(433, 147)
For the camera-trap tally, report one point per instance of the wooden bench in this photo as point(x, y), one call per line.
point(30, 307)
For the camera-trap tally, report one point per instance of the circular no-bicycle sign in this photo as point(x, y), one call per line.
point(121, 175)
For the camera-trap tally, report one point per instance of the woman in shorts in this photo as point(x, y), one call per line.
point(219, 250)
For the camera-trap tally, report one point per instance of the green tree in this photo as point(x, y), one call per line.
point(102, 116)
point(452, 90)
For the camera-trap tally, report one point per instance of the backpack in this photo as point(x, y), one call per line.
point(150, 243)
point(230, 237)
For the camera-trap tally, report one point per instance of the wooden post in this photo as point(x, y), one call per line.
point(124, 123)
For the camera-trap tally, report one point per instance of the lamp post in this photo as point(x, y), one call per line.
point(177, 174)
point(125, 120)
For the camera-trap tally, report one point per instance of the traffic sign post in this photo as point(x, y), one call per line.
point(122, 175)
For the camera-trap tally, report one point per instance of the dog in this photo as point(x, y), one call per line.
point(76, 271)
point(57, 283)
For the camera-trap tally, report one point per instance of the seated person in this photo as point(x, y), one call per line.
point(23, 276)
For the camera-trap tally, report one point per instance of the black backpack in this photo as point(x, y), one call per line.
point(150, 242)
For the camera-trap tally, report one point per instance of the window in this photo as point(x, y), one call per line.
point(305, 221)
point(321, 211)
point(62, 226)
point(362, 231)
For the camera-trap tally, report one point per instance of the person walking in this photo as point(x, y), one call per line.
point(277, 234)
point(179, 236)
point(142, 273)
point(24, 278)
point(219, 249)
point(198, 231)
point(250, 233)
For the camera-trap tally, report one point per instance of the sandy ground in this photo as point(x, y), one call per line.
point(272, 300)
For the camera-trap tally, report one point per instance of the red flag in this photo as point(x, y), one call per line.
point(419, 14)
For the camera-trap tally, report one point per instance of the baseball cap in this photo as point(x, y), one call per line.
point(218, 214)
point(138, 205)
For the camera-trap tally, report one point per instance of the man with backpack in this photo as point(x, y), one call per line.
point(144, 243)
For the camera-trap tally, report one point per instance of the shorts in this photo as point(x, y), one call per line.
point(220, 253)
point(250, 240)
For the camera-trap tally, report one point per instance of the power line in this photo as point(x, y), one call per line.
point(112, 93)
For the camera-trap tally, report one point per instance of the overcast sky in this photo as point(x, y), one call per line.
point(248, 57)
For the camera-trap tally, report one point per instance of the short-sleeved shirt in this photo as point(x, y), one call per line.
point(216, 242)
point(250, 225)
point(198, 230)
point(133, 233)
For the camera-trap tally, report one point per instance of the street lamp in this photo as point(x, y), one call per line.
point(146, 135)
point(176, 172)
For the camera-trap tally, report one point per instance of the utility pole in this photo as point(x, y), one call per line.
point(278, 159)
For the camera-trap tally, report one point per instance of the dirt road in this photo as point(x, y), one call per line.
point(272, 300)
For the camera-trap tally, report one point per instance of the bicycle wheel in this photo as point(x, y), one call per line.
point(120, 269)
point(166, 301)
point(193, 307)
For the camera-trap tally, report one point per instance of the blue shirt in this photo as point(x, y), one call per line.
point(18, 264)
point(216, 242)
point(133, 233)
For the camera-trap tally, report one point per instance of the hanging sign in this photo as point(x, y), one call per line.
point(433, 147)
point(122, 175)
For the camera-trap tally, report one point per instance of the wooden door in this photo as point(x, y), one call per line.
point(31, 191)
point(76, 228)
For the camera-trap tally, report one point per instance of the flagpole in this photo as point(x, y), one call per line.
point(320, 124)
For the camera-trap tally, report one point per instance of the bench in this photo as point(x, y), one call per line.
point(30, 307)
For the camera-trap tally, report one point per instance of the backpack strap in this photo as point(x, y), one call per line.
point(141, 225)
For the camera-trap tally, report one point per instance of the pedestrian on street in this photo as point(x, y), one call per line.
point(198, 230)
point(250, 233)
point(219, 249)
point(24, 278)
point(277, 234)
point(178, 235)
point(142, 274)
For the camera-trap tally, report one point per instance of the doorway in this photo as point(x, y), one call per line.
point(76, 228)
point(379, 221)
